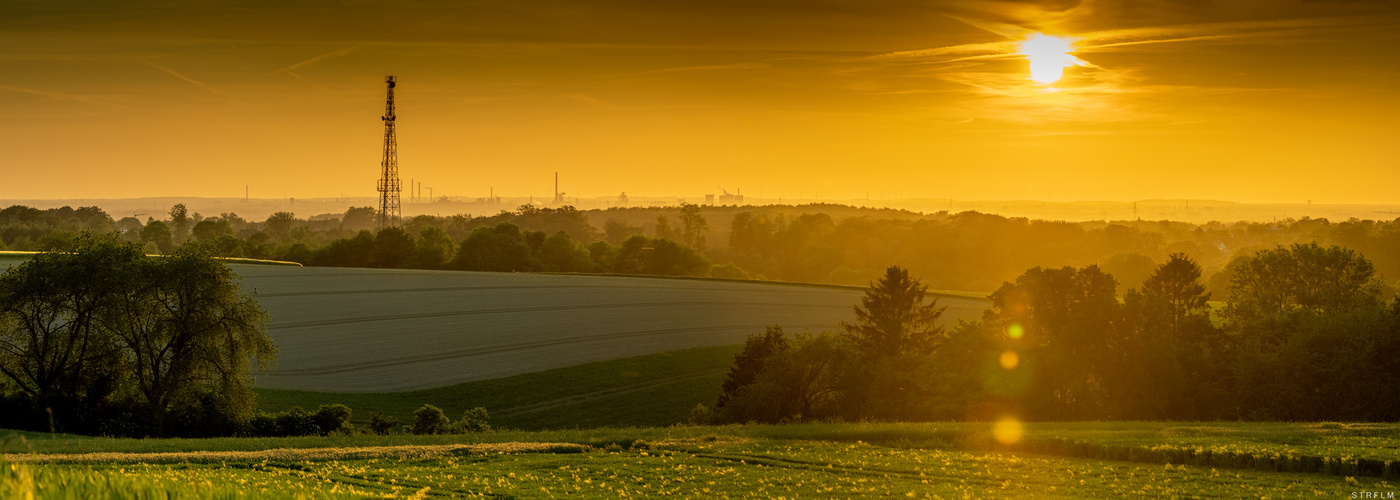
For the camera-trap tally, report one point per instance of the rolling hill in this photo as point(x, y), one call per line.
point(379, 330)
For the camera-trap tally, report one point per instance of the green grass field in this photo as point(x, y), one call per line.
point(652, 390)
point(551, 442)
point(935, 460)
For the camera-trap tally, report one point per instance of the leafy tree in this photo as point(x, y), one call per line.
point(358, 219)
point(693, 226)
point(474, 420)
point(1177, 282)
point(280, 224)
point(1303, 276)
point(1062, 322)
point(893, 318)
point(52, 344)
point(1129, 268)
point(352, 252)
point(748, 363)
point(499, 248)
point(158, 233)
point(434, 249)
point(617, 231)
point(800, 383)
point(212, 229)
point(187, 327)
point(105, 330)
point(560, 254)
point(430, 420)
point(333, 419)
point(180, 222)
point(392, 247)
point(663, 228)
point(381, 425)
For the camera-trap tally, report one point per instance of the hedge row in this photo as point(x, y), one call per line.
point(1202, 457)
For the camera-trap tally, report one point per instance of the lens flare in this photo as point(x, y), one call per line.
point(1009, 360)
point(1015, 330)
point(1008, 430)
point(1049, 56)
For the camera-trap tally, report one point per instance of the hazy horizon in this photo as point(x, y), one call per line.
point(1253, 102)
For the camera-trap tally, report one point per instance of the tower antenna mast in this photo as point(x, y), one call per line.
point(389, 214)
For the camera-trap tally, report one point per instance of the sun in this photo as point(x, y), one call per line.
point(1049, 56)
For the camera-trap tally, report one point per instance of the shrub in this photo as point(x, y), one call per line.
point(333, 418)
point(430, 420)
point(379, 424)
point(297, 422)
point(474, 420)
point(699, 415)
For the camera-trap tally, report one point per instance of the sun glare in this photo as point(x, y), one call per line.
point(1008, 430)
point(1049, 56)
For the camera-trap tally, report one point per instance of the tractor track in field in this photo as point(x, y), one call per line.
point(461, 353)
point(459, 289)
point(612, 391)
point(510, 310)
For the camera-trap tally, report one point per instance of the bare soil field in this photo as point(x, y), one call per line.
point(377, 330)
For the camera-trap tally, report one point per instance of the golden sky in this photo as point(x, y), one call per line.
point(1249, 100)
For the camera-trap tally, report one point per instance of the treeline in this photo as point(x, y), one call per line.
point(1305, 334)
point(103, 339)
point(809, 243)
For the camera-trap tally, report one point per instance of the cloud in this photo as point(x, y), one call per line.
point(716, 67)
point(63, 96)
point(188, 79)
point(318, 59)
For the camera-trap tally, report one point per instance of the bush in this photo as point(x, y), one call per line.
point(474, 420)
point(430, 420)
point(333, 418)
point(699, 415)
point(297, 422)
point(381, 425)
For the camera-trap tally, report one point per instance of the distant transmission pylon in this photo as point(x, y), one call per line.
point(389, 214)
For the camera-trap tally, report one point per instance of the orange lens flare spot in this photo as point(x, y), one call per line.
point(1015, 331)
point(1010, 359)
point(1008, 430)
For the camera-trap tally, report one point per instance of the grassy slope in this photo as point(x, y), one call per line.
point(652, 390)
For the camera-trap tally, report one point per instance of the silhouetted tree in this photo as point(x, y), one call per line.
point(392, 247)
point(892, 318)
point(693, 226)
point(358, 219)
point(748, 363)
point(1304, 276)
point(179, 222)
point(663, 228)
point(158, 234)
point(499, 248)
point(1177, 282)
point(433, 250)
point(279, 224)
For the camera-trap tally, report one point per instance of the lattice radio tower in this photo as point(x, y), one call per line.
point(389, 214)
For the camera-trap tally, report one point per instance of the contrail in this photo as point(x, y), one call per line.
point(188, 79)
point(317, 59)
point(61, 96)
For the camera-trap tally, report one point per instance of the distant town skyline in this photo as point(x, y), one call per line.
point(1253, 101)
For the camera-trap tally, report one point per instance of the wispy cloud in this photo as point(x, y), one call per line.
point(716, 67)
point(176, 74)
point(318, 59)
point(64, 96)
point(1087, 42)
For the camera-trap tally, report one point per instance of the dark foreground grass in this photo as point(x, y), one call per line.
point(643, 391)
